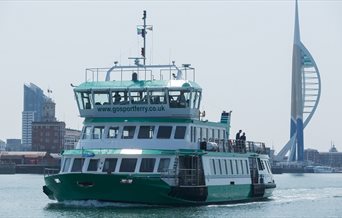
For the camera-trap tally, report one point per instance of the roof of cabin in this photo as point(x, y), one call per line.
point(129, 84)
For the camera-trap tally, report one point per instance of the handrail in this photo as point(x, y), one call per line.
point(174, 72)
point(240, 146)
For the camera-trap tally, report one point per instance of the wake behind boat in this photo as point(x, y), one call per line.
point(144, 140)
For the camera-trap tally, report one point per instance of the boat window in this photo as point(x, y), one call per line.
point(246, 163)
point(269, 166)
point(212, 167)
point(66, 164)
point(231, 167)
point(242, 167)
point(164, 164)
point(113, 132)
point(128, 132)
point(146, 132)
point(101, 98)
point(128, 164)
point(157, 97)
point(78, 96)
point(201, 134)
point(259, 164)
point(119, 97)
point(84, 100)
point(225, 167)
point(77, 165)
point(209, 132)
point(138, 97)
point(164, 132)
point(179, 99)
point(147, 164)
point(86, 132)
point(196, 134)
point(197, 100)
point(237, 167)
point(218, 166)
point(98, 132)
point(109, 165)
point(93, 164)
point(192, 133)
point(265, 164)
point(180, 132)
point(205, 134)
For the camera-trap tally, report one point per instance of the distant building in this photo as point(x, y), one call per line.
point(49, 109)
point(27, 119)
point(37, 107)
point(311, 155)
point(332, 158)
point(71, 138)
point(2, 145)
point(48, 136)
point(14, 145)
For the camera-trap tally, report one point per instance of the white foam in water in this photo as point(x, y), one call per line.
point(236, 204)
point(95, 203)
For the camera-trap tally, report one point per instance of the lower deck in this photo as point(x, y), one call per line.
point(160, 177)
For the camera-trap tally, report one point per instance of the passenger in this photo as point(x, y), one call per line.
point(181, 99)
point(238, 135)
point(238, 140)
point(143, 97)
point(243, 142)
point(117, 98)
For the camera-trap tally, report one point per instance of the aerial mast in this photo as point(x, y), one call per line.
point(144, 36)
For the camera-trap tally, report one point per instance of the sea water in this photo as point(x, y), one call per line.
point(296, 195)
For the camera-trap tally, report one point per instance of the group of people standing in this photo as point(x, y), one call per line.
point(240, 137)
point(240, 141)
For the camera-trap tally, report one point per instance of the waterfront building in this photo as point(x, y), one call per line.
point(34, 99)
point(37, 108)
point(305, 95)
point(14, 145)
point(311, 155)
point(48, 136)
point(2, 145)
point(71, 138)
point(48, 113)
point(333, 158)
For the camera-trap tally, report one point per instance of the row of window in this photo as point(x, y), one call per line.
point(128, 132)
point(150, 132)
point(110, 165)
point(229, 167)
point(206, 134)
point(175, 98)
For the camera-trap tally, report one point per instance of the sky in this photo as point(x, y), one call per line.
point(242, 52)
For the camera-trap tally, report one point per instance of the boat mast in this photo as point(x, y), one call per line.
point(143, 50)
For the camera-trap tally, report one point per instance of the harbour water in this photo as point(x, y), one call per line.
point(297, 195)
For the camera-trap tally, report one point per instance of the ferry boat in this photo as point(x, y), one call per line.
point(145, 140)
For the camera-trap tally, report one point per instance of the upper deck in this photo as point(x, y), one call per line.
point(162, 91)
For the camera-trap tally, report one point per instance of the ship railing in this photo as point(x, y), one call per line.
point(50, 171)
point(144, 72)
point(241, 146)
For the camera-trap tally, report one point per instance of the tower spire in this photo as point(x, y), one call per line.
point(305, 95)
point(296, 26)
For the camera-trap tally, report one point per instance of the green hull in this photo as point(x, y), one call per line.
point(146, 189)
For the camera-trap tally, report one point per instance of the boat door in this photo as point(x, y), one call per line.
point(190, 171)
point(254, 170)
point(258, 186)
